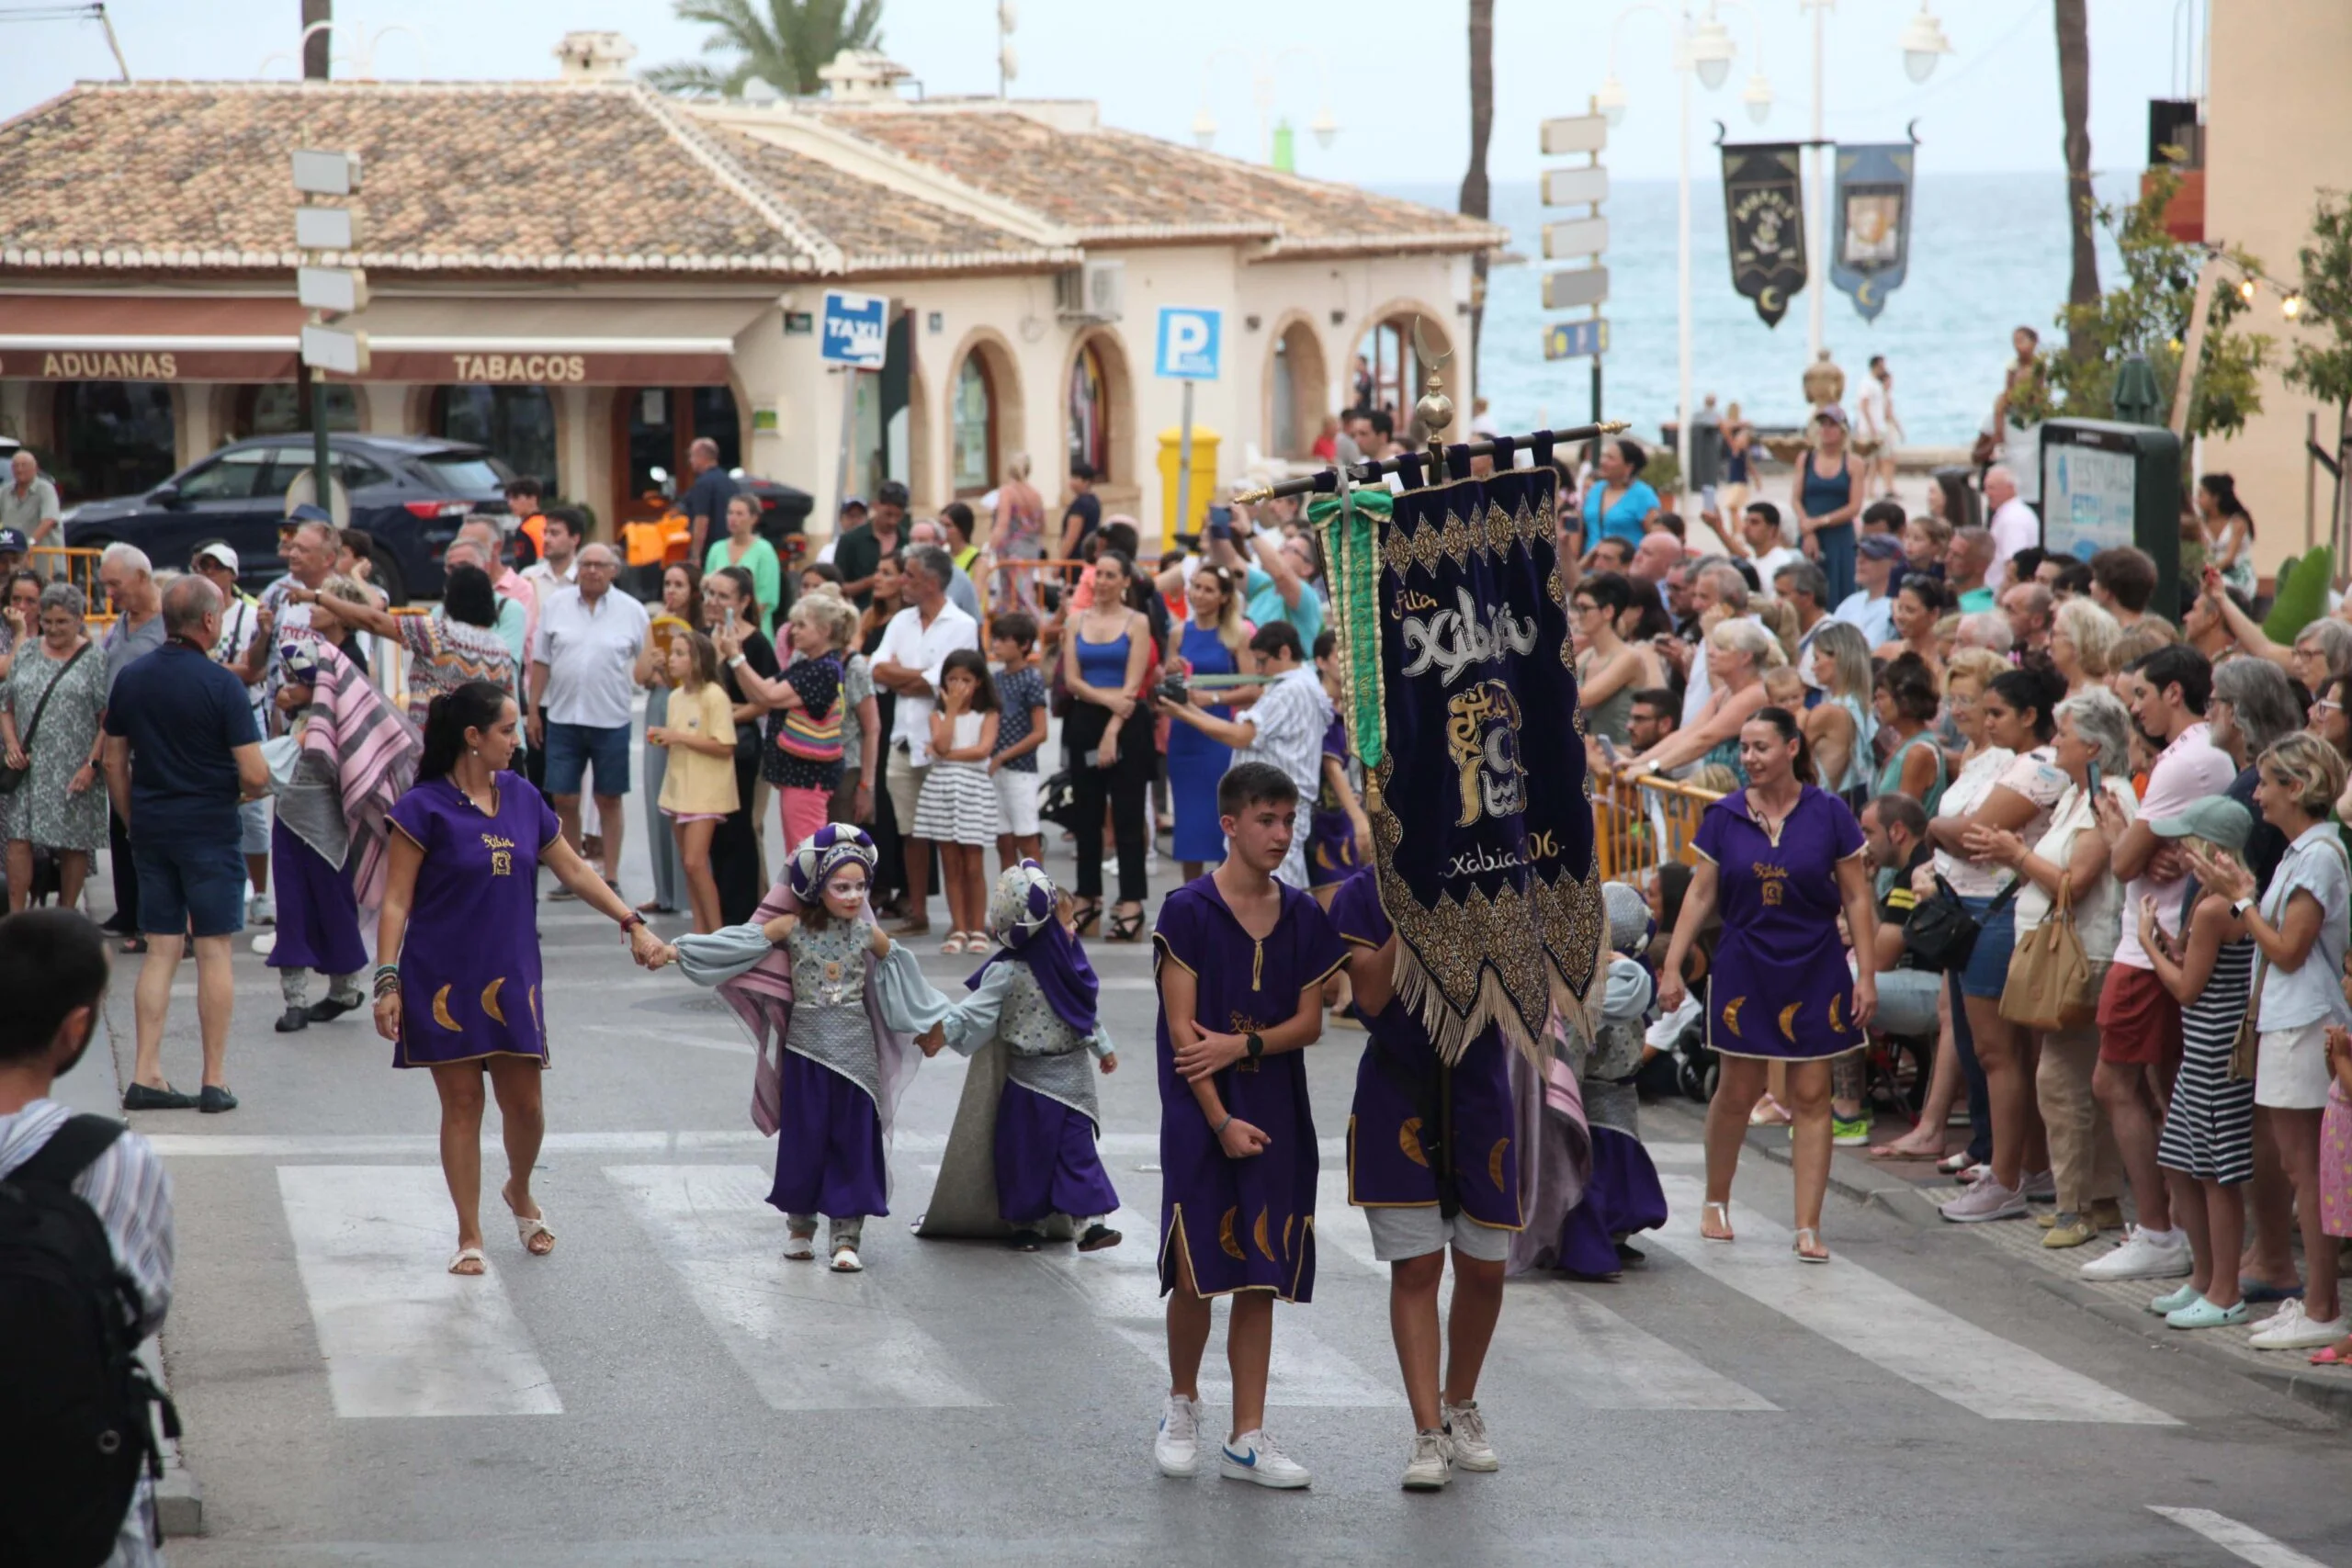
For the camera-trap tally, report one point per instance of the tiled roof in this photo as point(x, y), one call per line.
point(1116, 185)
point(194, 176)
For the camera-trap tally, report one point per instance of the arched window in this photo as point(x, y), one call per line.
point(973, 463)
point(517, 424)
point(1089, 412)
point(114, 437)
point(274, 408)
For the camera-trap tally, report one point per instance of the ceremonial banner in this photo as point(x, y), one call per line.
point(1870, 249)
point(1764, 205)
point(1481, 822)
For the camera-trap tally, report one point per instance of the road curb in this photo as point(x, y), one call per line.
point(179, 1500)
point(2296, 1382)
point(1855, 1179)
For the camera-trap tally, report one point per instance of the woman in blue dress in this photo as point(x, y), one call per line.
point(1827, 499)
point(1210, 639)
point(1621, 504)
point(1780, 859)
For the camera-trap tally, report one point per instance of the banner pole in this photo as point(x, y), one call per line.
point(1367, 473)
point(1184, 466)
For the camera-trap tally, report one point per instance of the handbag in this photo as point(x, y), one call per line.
point(2050, 985)
point(1942, 933)
point(13, 779)
point(1057, 801)
point(814, 737)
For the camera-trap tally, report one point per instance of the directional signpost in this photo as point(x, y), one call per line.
point(1188, 343)
point(853, 333)
point(1583, 238)
point(328, 225)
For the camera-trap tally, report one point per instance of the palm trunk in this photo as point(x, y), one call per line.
point(1474, 193)
point(2075, 98)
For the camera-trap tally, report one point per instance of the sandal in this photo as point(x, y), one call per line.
point(799, 1248)
point(1953, 1164)
point(1721, 1213)
point(1126, 928)
point(530, 1228)
point(954, 944)
point(1769, 1113)
point(469, 1254)
point(1083, 917)
point(845, 1260)
point(1806, 1245)
point(2333, 1356)
point(976, 941)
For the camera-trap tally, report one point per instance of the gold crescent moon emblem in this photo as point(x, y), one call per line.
point(441, 1010)
point(1288, 1221)
point(1495, 1163)
point(1788, 1021)
point(1431, 358)
point(1225, 1237)
point(1769, 297)
point(1409, 1138)
point(1731, 1016)
point(532, 996)
point(1836, 1024)
point(490, 999)
point(1863, 292)
point(1258, 1234)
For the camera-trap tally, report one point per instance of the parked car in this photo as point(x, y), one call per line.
point(410, 492)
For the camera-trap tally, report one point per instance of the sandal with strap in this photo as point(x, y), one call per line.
point(799, 1249)
point(1126, 928)
point(1084, 915)
point(469, 1254)
point(1721, 1213)
point(1806, 1245)
point(529, 1229)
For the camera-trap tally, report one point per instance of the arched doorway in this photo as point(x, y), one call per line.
point(1387, 358)
point(1089, 412)
point(972, 427)
point(1299, 392)
point(274, 408)
point(516, 424)
point(114, 437)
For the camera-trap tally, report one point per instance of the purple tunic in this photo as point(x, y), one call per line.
point(1330, 835)
point(1780, 989)
point(1245, 1224)
point(1388, 1164)
point(470, 964)
point(318, 915)
point(828, 1157)
point(1046, 1163)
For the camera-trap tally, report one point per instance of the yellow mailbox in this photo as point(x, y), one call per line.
point(1172, 443)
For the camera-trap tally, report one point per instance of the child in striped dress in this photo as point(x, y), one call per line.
point(958, 809)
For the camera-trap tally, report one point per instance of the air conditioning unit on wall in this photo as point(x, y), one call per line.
point(1091, 291)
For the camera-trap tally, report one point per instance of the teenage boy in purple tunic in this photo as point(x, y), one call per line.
point(1240, 959)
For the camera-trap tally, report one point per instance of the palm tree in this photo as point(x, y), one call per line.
point(1474, 202)
point(2075, 98)
point(786, 47)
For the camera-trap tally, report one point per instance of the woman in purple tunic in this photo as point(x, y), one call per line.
point(1240, 964)
point(458, 986)
point(1781, 859)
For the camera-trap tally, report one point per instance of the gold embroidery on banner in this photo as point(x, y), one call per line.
point(1482, 742)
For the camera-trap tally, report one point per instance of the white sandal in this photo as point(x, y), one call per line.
point(799, 1248)
point(530, 1226)
point(1722, 1213)
point(1797, 1245)
point(845, 1260)
point(468, 1255)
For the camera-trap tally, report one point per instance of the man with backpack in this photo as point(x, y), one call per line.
point(85, 1272)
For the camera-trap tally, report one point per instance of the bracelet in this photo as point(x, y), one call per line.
point(1219, 1131)
point(631, 921)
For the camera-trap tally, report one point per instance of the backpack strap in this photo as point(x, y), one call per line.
point(71, 1150)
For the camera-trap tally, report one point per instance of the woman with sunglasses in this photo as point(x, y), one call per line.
point(1609, 669)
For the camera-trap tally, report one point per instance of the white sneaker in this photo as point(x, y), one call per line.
point(260, 911)
point(1177, 1447)
point(1428, 1470)
point(2291, 1328)
point(1466, 1431)
point(1988, 1199)
point(1252, 1457)
point(2144, 1256)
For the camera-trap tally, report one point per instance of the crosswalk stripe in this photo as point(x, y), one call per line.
point(1884, 1324)
point(808, 1338)
point(2240, 1541)
point(400, 1335)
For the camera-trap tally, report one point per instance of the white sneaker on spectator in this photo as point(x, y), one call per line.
point(1177, 1447)
point(1252, 1457)
point(1427, 1470)
point(1988, 1199)
point(2291, 1328)
point(1465, 1432)
point(2041, 1187)
point(260, 911)
point(2145, 1255)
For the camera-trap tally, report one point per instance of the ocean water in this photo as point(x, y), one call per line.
point(1988, 253)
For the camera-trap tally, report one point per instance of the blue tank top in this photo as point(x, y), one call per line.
point(1823, 496)
point(1103, 665)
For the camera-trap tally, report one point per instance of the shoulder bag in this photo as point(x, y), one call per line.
point(13, 779)
point(2049, 986)
point(1942, 933)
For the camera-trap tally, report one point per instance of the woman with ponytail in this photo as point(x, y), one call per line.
point(1780, 859)
point(458, 973)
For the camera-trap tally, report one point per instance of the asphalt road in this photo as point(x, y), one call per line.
point(664, 1390)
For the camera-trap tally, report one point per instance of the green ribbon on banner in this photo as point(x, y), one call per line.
point(1349, 527)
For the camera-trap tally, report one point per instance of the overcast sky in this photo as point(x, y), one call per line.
point(1396, 72)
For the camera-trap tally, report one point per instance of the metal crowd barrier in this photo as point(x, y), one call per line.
point(1640, 825)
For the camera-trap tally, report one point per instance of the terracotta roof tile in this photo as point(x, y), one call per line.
point(872, 226)
point(1116, 183)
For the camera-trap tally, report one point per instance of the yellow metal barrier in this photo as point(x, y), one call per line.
point(1640, 825)
point(79, 567)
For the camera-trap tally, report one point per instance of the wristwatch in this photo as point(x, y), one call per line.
point(1257, 1044)
point(2238, 907)
point(736, 662)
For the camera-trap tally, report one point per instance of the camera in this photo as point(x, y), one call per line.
point(1172, 689)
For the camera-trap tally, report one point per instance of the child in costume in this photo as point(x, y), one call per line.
point(1038, 995)
point(1623, 1195)
point(813, 974)
point(1241, 962)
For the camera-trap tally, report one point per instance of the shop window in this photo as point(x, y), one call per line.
point(973, 466)
point(655, 426)
point(275, 409)
point(1089, 412)
point(114, 438)
point(516, 425)
point(714, 416)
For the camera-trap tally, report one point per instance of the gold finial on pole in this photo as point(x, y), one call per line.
point(1435, 409)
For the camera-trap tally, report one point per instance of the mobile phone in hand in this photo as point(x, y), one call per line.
point(730, 618)
point(1220, 521)
point(2094, 782)
point(1609, 750)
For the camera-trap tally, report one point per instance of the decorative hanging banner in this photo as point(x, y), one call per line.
point(1481, 817)
point(1872, 247)
point(1764, 206)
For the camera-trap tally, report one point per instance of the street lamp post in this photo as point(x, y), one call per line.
point(1263, 79)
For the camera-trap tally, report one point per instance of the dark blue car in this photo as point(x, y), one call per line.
point(410, 492)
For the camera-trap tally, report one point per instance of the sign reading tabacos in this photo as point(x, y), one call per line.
point(534, 369)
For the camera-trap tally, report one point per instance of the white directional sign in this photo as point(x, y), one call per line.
point(326, 228)
point(1188, 343)
point(338, 290)
point(326, 173)
point(1574, 188)
point(1576, 237)
point(343, 350)
point(1580, 286)
point(1578, 133)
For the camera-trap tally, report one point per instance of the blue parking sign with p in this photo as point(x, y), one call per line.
point(1188, 343)
point(855, 330)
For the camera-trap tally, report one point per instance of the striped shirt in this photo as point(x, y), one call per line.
point(131, 1193)
point(1286, 727)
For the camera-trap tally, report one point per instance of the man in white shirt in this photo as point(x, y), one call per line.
point(914, 645)
point(583, 683)
point(1759, 531)
point(1870, 607)
point(559, 566)
point(2138, 1020)
point(929, 531)
point(1874, 406)
point(1285, 727)
point(244, 648)
point(2012, 523)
